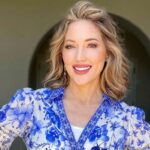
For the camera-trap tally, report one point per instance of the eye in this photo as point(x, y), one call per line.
point(69, 46)
point(92, 45)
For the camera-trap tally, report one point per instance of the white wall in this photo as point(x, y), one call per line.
point(23, 23)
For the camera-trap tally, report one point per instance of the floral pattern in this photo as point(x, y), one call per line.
point(39, 118)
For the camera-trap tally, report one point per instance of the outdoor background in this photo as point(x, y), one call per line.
point(27, 25)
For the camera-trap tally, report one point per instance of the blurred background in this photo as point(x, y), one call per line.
point(27, 26)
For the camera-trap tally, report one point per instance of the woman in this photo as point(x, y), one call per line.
point(82, 106)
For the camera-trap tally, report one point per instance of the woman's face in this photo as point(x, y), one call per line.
point(84, 52)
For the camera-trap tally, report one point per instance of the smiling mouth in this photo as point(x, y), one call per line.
point(81, 69)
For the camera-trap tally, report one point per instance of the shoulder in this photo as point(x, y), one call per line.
point(131, 111)
point(128, 123)
point(138, 129)
point(120, 110)
point(29, 94)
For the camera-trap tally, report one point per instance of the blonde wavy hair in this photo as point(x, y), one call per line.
point(114, 78)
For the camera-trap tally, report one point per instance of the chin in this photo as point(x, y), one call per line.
point(82, 82)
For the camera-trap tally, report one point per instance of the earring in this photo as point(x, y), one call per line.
point(65, 73)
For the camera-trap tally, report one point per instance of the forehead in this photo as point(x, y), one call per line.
point(82, 29)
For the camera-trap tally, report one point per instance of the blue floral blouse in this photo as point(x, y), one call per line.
point(39, 118)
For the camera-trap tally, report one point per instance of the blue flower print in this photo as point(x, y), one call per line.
point(116, 145)
point(52, 116)
point(98, 148)
point(52, 135)
point(2, 116)
point(47, 94)
point(19, 95)
point(140, 142)
point(139, 113)
point(95, 148)
point(22, 115)
point(99, 132)
point(114, 125)
point(36, 127)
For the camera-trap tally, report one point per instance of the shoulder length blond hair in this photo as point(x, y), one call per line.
point(115, 75)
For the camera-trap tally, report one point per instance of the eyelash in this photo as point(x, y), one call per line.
point(67, 46)
point(95, 45)
point(91, 44)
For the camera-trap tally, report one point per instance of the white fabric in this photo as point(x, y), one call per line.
point(76, 131)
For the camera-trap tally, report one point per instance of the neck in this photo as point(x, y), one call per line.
point(85, 94)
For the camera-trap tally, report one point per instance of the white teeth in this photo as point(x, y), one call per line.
point(81, 69)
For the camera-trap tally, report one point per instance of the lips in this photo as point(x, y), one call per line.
point(81, 68)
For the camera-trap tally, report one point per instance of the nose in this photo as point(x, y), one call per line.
point(80, 54)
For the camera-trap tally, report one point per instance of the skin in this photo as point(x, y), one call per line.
point(83, 45)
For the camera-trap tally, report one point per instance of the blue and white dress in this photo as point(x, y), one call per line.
point(39, 118)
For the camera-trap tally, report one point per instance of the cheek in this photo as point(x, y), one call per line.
point(98, 57)
point(67, 57)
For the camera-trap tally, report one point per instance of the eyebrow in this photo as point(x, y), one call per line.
point(89, 39)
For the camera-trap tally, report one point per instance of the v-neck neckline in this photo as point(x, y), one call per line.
point(78, 145)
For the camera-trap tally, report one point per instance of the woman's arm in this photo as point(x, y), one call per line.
point(15, 117)
point(139, 130)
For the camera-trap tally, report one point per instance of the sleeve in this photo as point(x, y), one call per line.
point(139, 130)
point(15, 117)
